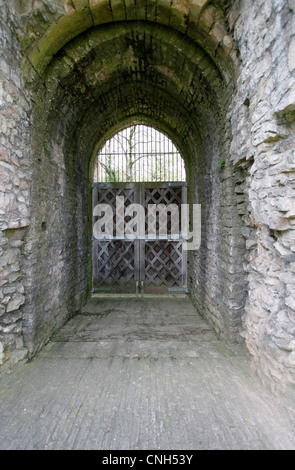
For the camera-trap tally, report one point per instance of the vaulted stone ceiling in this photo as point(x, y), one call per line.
point(103, 64)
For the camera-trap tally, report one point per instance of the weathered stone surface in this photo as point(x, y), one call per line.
point(1, 353)
point(158, 389)
point(266, 82)
point(231, 115)
point(291, 56)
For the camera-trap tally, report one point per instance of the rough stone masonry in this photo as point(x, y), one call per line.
point(218, 77)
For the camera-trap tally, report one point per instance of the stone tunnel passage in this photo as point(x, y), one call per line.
point(208, 74)
point(147, 373)
point(109, 77)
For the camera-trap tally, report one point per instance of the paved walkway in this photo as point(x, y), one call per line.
point(139, 374)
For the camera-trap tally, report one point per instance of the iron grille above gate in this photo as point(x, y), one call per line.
point(139, 153)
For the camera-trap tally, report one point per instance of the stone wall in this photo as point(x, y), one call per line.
point(42, 282)
point(263, 121)
point(216, 76)
point(15, 178)
point(218, 284)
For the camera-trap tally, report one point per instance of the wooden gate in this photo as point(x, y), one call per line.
point(156, 265)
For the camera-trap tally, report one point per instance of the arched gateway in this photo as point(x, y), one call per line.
point(139, 191)
point(217, 78)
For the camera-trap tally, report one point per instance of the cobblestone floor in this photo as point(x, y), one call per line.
point(139, 374)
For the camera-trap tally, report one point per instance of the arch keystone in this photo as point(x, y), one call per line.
point(179, 14)
point(118, 10)
point(195, 8)
point(101, 11)
point(151, 10)
point(163, 12)
point(81, 5)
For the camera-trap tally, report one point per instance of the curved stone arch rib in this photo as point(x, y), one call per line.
point(203, 25)
point(78, 56)
point(110, 123)
point(75, 80)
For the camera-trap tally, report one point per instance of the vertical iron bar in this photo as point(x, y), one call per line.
point(156, 158)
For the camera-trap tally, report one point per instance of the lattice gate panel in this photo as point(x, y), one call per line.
point(115, 261)
point(164, 263)
point(163, 194)
point(118, 264)
point(107, 194)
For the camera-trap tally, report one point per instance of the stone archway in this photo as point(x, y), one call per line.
point(89, 66)
point(113, 73)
